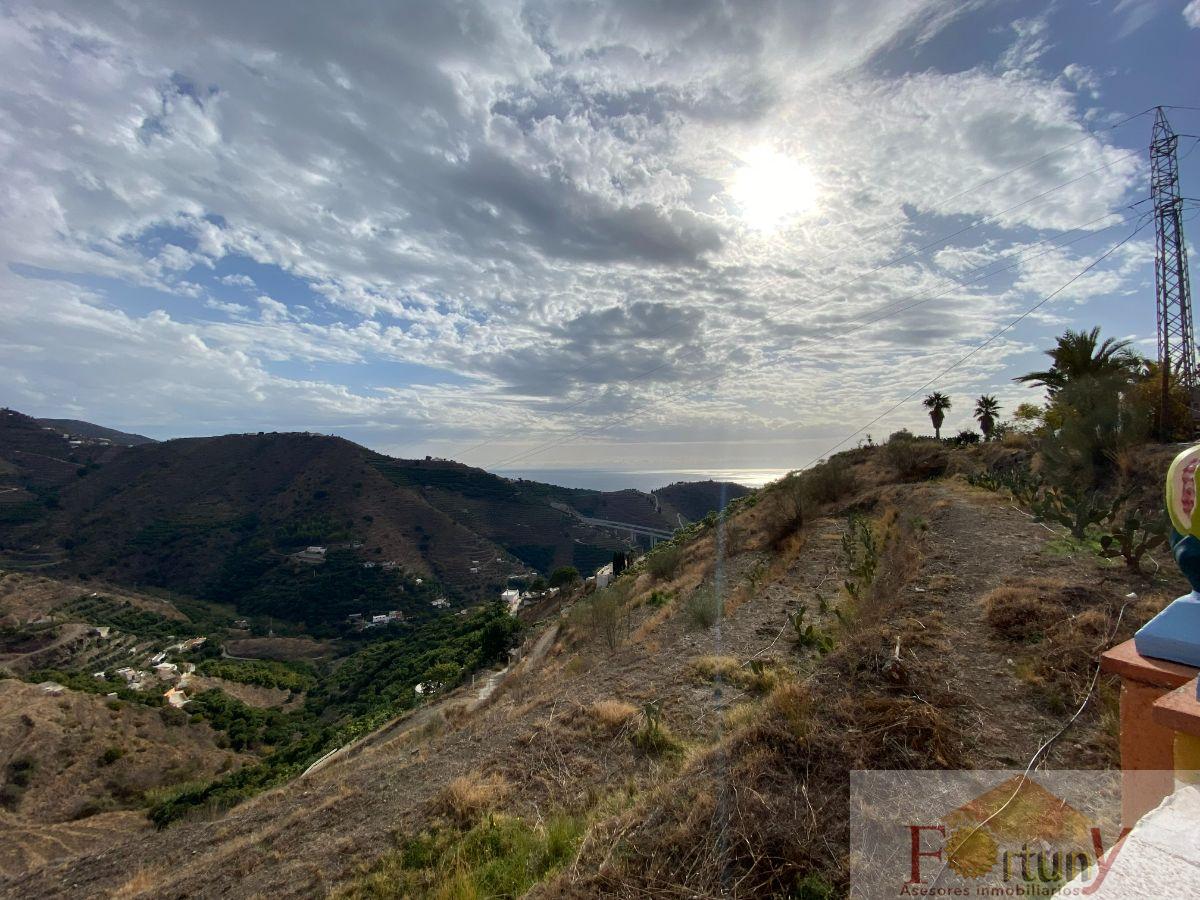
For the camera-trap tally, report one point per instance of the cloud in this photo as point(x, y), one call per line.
point(530, 201)
point(1031, 43)
point(1191, 14)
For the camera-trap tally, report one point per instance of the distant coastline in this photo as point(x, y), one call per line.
point(641, 479)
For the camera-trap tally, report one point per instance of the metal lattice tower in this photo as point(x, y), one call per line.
point(1176, 345)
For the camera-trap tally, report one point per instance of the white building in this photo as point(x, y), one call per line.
point(604, 576)
point(511, 598)
point(379, 620)
point(311, 555)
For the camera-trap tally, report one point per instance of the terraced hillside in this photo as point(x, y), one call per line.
point(220, 518)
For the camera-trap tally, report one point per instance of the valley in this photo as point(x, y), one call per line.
point(627, 733)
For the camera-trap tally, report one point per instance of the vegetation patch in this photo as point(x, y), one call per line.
point(612, 714)
point(289, 676)
point(501, 856)
point(468, 797)
point(703, 607)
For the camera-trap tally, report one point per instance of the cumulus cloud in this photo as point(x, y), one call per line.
point(1191, 14)
point(527, 204)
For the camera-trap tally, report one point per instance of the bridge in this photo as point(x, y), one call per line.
point(655, 534)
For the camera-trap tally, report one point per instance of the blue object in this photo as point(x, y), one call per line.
point(1172, 634)
point(1186, 550)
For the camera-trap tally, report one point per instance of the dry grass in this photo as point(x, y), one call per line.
point(725, 667)
point(612, 713)
point(1061, 628)
point(143, 881)
point(1021, 611)
point(760, 676)
point(467, 797)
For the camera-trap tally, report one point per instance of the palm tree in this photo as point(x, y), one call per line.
point(937, 403)
point(986, 410)
point(1080, 354)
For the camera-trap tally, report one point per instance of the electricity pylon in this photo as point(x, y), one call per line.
point(1176, 346)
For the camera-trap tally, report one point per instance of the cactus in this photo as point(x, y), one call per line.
point(1135, 536)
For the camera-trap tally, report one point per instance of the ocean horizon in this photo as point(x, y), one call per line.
point(642, 479)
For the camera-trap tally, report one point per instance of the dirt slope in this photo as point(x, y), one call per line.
point(955, 700)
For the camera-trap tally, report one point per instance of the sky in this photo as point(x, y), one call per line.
point(624, 235)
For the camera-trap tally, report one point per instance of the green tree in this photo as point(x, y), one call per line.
point(564, 576)
point(986, 410)
point(937, 403)
point(1027, 416)
point(1079, 355)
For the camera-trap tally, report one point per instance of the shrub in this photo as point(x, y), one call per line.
point(725, 667)
point(964, 438)
point(659, 598)
point(110, 756)
point(704, 607)
point(612, 714)
point(663, 562)
point(21, 770)
point(654, 738)
point(467, 797)
point(828, 482)
point(916, 459)
point(787, 513)
point(607, 617)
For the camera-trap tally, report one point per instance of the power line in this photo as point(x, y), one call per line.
point(556, 442)
point(962, 359)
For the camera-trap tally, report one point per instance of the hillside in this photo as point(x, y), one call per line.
point(70, 757)
point(79, 429)
point(637, 749)
point(220, 518)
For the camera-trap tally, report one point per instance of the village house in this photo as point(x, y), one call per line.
point(511, 598)
point(311, 555)
point(604, 576)
point(176, 697)
point(440, 603)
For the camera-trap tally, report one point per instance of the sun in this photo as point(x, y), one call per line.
point(771, 188)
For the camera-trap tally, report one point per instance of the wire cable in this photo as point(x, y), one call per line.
point(556, 442)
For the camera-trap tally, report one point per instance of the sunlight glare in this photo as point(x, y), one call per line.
point(771, 187)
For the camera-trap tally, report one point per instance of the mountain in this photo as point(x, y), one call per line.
point(223, 517)
point(642, 740)
point(693, 500)
point(78, 429)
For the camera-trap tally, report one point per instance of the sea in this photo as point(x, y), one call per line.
point(641, 479)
